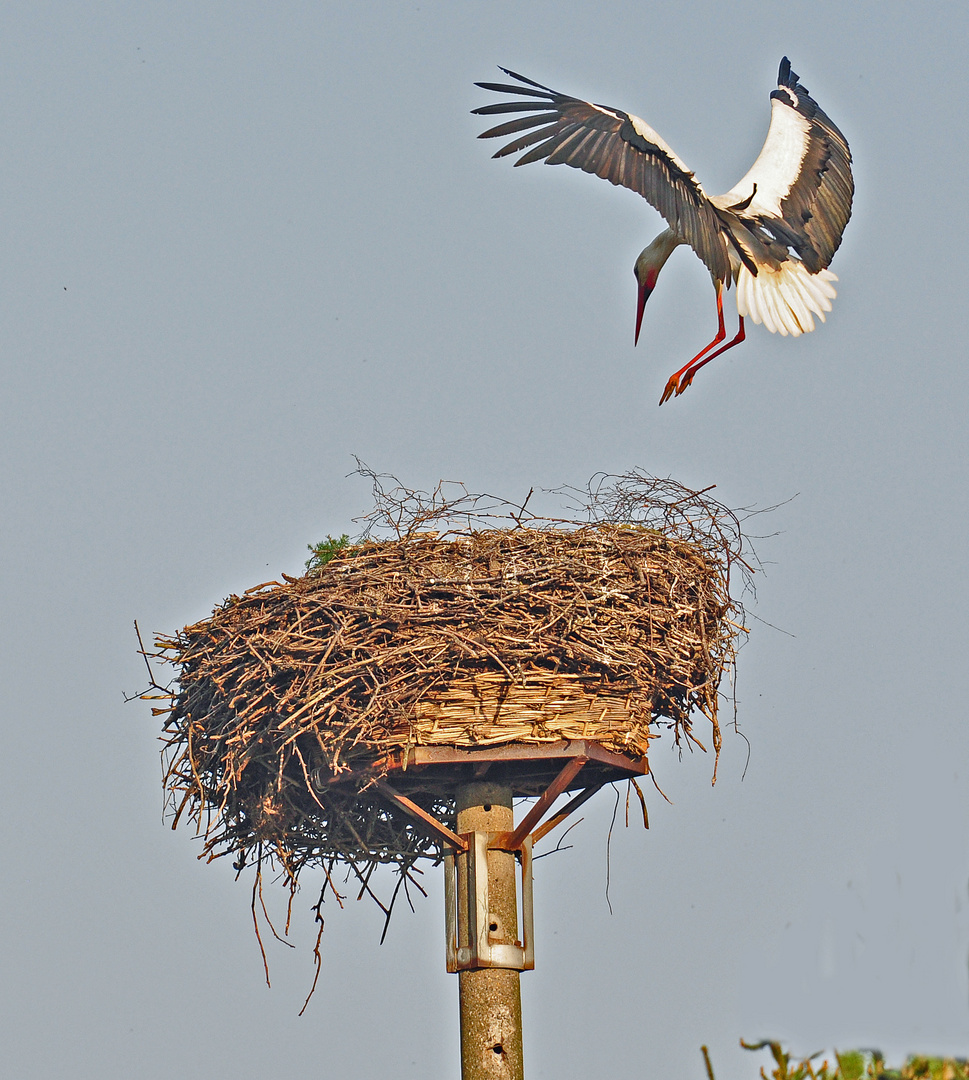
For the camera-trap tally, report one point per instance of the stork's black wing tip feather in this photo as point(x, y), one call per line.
point(521, 91)
point(790, 79)
point(521, 78)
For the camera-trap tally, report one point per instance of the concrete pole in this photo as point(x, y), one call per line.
point(490, 998)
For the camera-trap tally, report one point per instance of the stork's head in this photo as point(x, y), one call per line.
point(651, 260)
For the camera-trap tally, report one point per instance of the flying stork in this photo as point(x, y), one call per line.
point(772, 234)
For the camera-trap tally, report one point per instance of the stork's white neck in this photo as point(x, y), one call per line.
point(653, 258)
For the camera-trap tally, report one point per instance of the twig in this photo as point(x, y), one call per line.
point(615, 810)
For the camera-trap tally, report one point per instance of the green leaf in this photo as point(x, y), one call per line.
point(323, 551)
point(852, 1064)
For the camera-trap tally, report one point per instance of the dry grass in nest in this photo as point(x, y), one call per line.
point(609, 627)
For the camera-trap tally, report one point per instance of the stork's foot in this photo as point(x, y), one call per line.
point(681, 379)
point(686, 380)
point(671, 388)
point(677, 383)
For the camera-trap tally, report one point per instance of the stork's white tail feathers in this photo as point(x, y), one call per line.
point(785, 300)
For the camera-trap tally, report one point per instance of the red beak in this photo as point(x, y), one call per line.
point(644, 293)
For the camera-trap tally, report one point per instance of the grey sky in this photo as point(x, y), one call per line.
point(242, 242)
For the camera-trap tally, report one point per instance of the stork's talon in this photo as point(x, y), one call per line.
point(671, 389)
point(676, 384)
point(686, 381)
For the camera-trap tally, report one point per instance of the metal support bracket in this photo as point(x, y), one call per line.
point(429, 823)
point(469, 942)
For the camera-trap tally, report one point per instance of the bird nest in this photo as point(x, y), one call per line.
point(473, 624)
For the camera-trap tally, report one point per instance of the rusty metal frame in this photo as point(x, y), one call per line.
point(566, 810)
point(552, 792)
point(418, 814)
point(578, 753)
point(422, 756)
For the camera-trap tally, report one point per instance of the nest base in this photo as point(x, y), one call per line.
point(526, 769)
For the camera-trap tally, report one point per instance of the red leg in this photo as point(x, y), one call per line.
point(673, 382)
point(688, 377)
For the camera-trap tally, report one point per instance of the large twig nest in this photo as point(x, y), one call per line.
point(608, 629)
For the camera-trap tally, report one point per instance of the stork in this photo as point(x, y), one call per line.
point(772, 234)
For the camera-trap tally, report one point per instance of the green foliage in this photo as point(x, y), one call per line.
point(853, 1065)
point(323, 551)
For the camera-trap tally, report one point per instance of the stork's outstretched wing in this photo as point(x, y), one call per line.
point(800, 187)
point(615, 145)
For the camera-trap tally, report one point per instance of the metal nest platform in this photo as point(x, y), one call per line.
point(527, 769)
point(543, 771)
